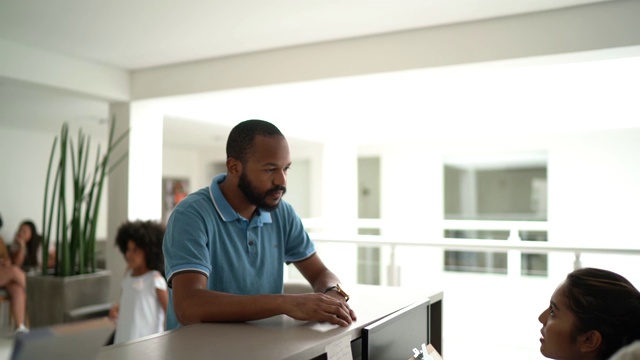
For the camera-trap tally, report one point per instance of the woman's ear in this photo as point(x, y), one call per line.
point(590, 341)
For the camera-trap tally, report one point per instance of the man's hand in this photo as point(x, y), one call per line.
point(320, 307)
point(336, 295)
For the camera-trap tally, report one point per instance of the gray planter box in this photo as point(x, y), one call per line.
point(50, 299)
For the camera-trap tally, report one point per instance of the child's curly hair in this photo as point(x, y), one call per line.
point(148, 236)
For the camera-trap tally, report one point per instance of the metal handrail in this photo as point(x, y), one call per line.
point(480, 245)
point(473, 244)
point(446, 224)
point(513, 245)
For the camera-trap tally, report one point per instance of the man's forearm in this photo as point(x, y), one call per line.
point(211, 306)
point(325, 280)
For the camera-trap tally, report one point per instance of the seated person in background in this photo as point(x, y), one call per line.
point(143, 302)
point(226, 244)
point(14, 281)
point(592, 314)
point(5, 257)
point(4, 253)
point(26, 250)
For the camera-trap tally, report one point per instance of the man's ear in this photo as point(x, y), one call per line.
point(234, 167)
point(590, 341)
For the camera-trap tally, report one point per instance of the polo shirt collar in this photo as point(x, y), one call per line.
point(223, 207)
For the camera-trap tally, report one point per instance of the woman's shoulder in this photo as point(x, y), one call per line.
point(629, 352)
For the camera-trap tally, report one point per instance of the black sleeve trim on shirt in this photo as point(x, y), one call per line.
point(303, 259)
point(169, 279)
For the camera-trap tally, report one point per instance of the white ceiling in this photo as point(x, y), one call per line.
point(146, 33)
point(134, 34)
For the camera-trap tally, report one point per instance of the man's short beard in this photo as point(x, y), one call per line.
point(256, 197)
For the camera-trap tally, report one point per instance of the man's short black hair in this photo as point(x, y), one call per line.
point(240, 140)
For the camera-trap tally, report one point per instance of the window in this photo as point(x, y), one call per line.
point(489, 195)
point(369, 258)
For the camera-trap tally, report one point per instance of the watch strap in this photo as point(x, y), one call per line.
point(337, 288)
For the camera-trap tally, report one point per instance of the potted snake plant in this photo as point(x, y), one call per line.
point(72, 195)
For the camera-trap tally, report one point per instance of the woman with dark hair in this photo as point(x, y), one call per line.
point(592, 314)
point(26, 246)
point(26, 250)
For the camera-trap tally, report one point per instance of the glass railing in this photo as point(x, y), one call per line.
point(512, 248)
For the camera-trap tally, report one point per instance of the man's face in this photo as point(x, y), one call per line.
point(264, 177)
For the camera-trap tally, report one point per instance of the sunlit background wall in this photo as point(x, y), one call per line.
point(541, 151)
point(517, 151)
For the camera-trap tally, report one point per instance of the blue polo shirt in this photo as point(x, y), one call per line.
point(239, 256)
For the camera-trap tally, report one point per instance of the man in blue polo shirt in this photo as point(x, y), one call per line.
point(225, 245)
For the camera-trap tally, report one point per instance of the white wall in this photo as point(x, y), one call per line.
point(601, 25)
point(26, 64)
point(26, 144)
point(24, 167)
point(181, 163)
point(594, 194)
point(593, 187)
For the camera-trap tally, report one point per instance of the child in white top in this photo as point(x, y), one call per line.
point(144, 298)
